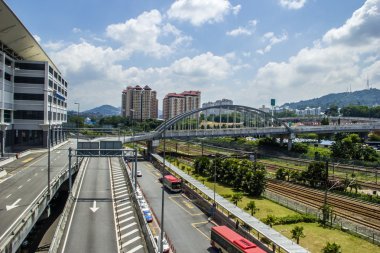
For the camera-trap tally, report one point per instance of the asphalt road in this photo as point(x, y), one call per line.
point(186, 226)
point(28, 178)
point(91, 226)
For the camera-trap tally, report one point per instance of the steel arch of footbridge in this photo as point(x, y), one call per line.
point(239, 108)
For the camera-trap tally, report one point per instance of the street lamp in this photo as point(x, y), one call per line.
point(77, 130)
point(134, 168)
point(50, 115)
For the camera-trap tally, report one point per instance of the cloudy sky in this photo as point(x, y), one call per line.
point(246, 50)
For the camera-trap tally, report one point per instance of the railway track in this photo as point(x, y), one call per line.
point(363, 213)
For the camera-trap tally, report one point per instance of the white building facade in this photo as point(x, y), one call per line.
point(33, 93)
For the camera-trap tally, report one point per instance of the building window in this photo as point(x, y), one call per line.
point(7, 116)
point(27, 96)
point(55, 74)
point(36, 115)
point(30, 66)
point(50, 83)
point(8, 62)
point(8, 77)
point(28, 79)
point(51, 70)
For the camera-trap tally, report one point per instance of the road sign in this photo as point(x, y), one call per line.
point(273, 102)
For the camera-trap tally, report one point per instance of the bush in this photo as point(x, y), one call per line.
point(300, 147)
point(226, 195)
point(292, 219)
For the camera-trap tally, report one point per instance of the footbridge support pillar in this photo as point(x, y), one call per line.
point(290, 141)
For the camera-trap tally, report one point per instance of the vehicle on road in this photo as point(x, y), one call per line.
point(139, 173)
point(165, 244)
point(148, 215)
point(172, 183)
point(225, 239)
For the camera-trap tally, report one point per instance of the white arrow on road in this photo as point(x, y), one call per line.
point(13, 205)
point(94, 208)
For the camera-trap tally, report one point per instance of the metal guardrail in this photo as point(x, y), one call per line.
point(62, 222)
point(18, 231)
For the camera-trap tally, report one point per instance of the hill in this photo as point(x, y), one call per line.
point(103, 110)
point(369, 97)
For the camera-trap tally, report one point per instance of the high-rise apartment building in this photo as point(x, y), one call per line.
point(175, 104)
point(139, 103)
point(216, 111)
point(33, 90)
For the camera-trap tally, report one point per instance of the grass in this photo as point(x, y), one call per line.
point(316, 237)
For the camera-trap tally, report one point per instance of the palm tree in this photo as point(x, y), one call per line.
point(270, 220)
point(297, 233)
point(236, 198)
point(251, 205)
point(331, 248)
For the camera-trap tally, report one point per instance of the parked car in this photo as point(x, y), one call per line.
point(139, 173)
point(165, 244)
point(148, 215)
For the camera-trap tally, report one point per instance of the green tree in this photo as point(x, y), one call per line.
point(327, 213)
point(270, 220)
point(251, 206)
point(281, 174)
point(297, 233)
point(315, 174)
point(325, 121)
point(331, 248)
point(201, 165)
point(237, 197)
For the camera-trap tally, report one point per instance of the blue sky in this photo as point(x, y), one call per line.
point(246, 50)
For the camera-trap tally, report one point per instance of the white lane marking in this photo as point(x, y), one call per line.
point(94, 208)
point(35, 174)
point(125, 214)
point(20, 187)
point(124, 203)
point(130, 241)
point(128, 226)
point(8, 196)
point(126, 219)
point(42, 169)
point(28, 180)
point(135, 249)
point(119, 192)
point(10, 207)
point(129, 233)
point(122, 195)
point(75, 205)
point(124, 208)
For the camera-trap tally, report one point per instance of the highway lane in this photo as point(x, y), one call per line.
point(27, 182)
point(91, 226)
point(186, 225)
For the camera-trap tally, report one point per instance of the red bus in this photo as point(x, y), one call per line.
point(172, 183)
point(227, 240)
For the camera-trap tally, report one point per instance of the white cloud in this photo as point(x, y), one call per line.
point(247, 30)
point(37, 38)
point(271, 39)
point(57, 45)
point(76, 30)
point(198, 12)
point(344, 57)
point(292, 4)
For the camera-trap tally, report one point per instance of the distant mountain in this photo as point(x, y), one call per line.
point(369, 97)
point(104, 110)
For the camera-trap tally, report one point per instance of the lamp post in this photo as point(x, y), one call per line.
point(50, 115)
point(77, 129)
point(134, 170)
point(163, 192)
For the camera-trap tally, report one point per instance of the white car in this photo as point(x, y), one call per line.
point(165, 244)
point(139, 174)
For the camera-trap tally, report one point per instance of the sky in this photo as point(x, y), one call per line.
point(248, 51)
